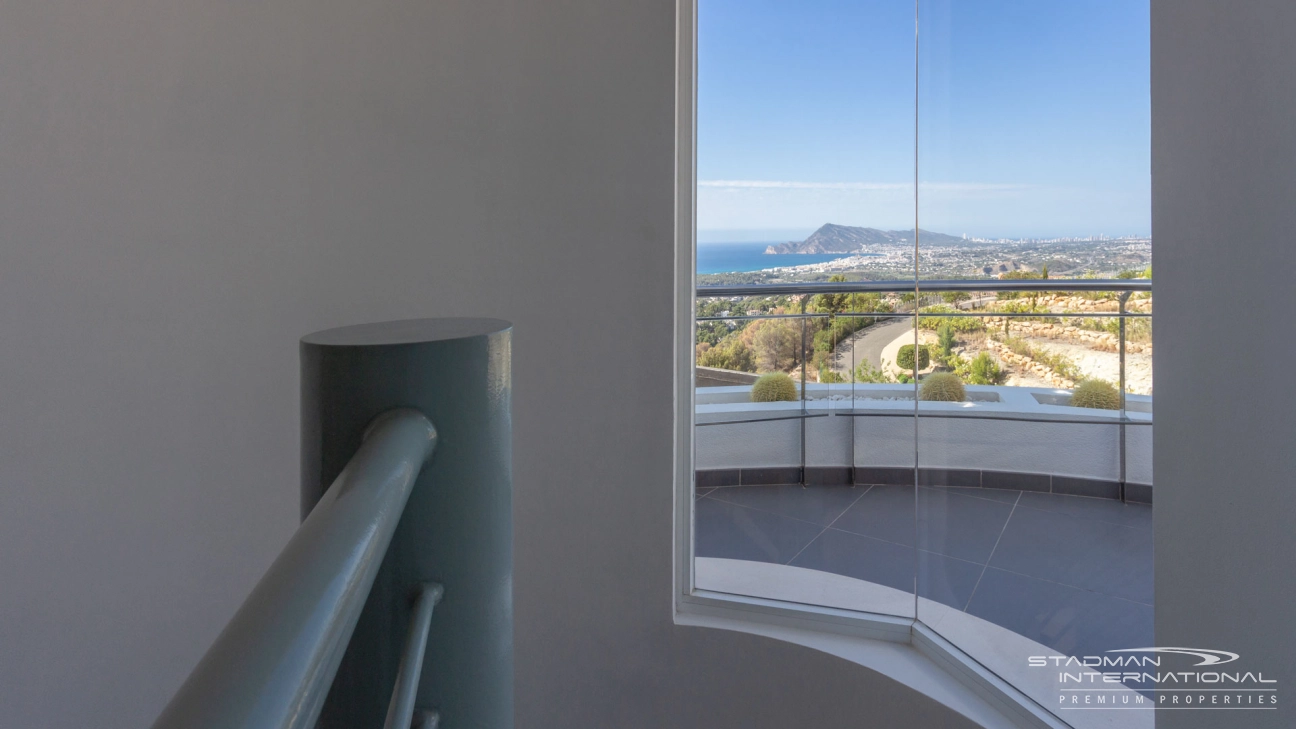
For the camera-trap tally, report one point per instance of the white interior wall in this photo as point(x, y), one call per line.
point(1224, 217)
point(187, 187)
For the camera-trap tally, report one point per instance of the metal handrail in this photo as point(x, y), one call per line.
point(930, 286)
point(400, 712)
point(273, 664)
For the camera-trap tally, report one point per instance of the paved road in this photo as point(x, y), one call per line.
point(868, 344)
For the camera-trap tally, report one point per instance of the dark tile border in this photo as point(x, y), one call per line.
point(1016, 481)
point(717, 477)
point(884, 476)
point(778, 476)
point(1073, 486)
point(1139, 493)
point(960, 477)
point(828, 475)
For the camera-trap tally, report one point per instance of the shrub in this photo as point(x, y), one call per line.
point(905, 358)
point(957, 324)
point(983, 370)
point(1099, 394)
point(774, 387)
point(942, 387)
point(945, 333)
point(829, 376)
point(866, 372)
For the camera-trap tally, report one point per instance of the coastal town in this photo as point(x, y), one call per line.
point(890, 255)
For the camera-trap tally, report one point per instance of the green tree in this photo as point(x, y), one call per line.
point(776, 343)
point(730, 354)
point(832, 304)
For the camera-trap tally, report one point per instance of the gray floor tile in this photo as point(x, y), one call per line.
point(737, 532)
point(1066, 619)
point(1136, 515)
point(950, 524)
point(817, 504)
point(885, 512)
point(979, 493)
point(946, 580)
point(699, 493)
point(852, 555)
point(960, 526)
point(1086, 553)
point(940, 578)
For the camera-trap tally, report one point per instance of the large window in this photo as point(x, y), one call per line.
point(923, 332)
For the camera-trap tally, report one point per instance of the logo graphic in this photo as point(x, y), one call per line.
point(1135, 678)
point(1209, 657)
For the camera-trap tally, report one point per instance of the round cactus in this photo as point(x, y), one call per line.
point(773, 387)
point(905, 357)
point(942, 387)
point(1099, 394)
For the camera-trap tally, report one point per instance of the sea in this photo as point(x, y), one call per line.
point(743, 257)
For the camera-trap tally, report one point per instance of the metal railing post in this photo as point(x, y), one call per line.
point(456, 528)
point(1124, 297)
point(805, 365)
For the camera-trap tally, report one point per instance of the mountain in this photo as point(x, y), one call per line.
point(846, 239)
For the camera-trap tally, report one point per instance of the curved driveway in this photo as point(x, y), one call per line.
point(868, 344)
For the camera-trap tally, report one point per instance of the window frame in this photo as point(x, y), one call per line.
point(870, 639)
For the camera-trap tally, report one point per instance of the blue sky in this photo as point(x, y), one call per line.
point(1034, 116)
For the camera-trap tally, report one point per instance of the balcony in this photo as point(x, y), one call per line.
point(1071, 573)
point(1013, 518)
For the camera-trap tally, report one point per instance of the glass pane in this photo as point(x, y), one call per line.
point(805, 176)
point(1034, 504)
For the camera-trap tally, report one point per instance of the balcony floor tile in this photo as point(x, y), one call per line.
point(864, 558)
point(885, 512)
point(816, 504)
point(1133, 515)
point(1086, 553)
point(962, 527)
point(1007, 495)
point(1072, 573)
point(1066, 619)
point(737, 532)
